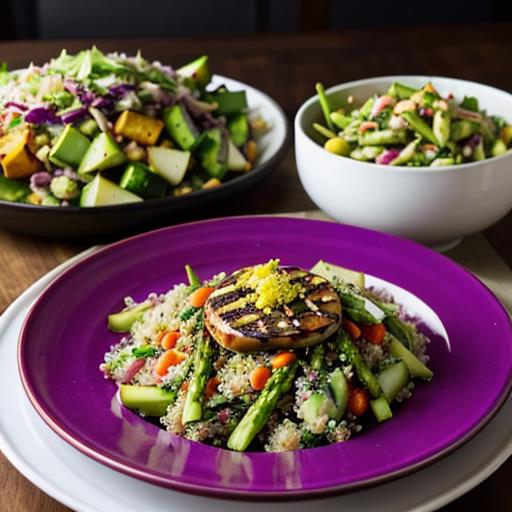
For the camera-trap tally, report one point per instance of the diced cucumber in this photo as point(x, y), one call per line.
point(230, 102)
point(103, 153)
point(141, 180)
point(170, 164)
point(462, 129)
point(197, 72)
point(180, 127)
point(442, 162)
point(415, 366)
point(316, 406)
point(213, 153)
point(366, 153)
point(102, 192)
point(89, 127)
point(381, 409)
point(70, 147)
point(236, 161)
point(340, 391)
point(123, 321)
point(238, 128)
point(498, 148)
point(340, 120)
point(330, 272)
point(393, 379)
point(149, 400)
point(13, 190)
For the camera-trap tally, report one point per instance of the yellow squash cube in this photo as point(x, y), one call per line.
point(18, 161)
point(142, 129)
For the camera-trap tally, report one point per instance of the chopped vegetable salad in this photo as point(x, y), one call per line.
point(96, 129)
point(412, 127)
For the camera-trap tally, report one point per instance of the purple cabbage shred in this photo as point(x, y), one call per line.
point(387, 156)
point(42, 115)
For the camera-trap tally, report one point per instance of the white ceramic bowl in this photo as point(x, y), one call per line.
point(435, 206)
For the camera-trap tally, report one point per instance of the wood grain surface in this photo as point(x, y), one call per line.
point(286, 67)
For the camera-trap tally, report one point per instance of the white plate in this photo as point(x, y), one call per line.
point(85, 485)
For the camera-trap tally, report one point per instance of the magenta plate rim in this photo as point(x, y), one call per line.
point(64, 336)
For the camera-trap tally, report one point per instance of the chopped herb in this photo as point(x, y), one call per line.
point(144, 351)
point(470, 103)
point(15, 122)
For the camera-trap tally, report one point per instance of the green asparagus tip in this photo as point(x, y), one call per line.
point(193, 278)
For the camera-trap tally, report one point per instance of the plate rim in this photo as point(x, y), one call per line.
point(32, 473)
point(200, 489)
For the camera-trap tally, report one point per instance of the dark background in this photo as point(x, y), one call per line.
point(50, 19)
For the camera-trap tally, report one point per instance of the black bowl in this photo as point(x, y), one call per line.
point(107, 222)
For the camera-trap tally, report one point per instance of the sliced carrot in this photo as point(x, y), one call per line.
point(353, 330)
point(211, 387)
point(169, 339)
point(168, 358)
point(198, 298)
point(374, 333)
point(358, 402)
point(160, 337)
point(258, 377)
point(283, 359)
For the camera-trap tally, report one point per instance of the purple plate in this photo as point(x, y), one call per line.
point(65, 336)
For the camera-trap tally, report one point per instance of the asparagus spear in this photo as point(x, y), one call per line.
point(193, 278)
point(364, 374)
point(202, 361)
point(324, 104)
point(260, 411)
point(381, 137)
point(401, 91)
point(328, 134)
point(406, 154)
point(402, 331)
point(366, 109)
point(441, 127)
point(420, 126)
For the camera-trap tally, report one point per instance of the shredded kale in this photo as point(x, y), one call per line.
point(470, 103)
point(309, 440)
point(499, 122)
point(188, 313)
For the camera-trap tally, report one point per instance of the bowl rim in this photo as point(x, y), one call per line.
point(312, 100)
point(226, 187)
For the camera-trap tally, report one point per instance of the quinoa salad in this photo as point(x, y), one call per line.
point(268, 358)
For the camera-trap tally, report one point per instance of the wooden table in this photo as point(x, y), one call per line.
point(285, 66)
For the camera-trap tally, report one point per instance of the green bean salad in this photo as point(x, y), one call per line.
point(413, 127)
